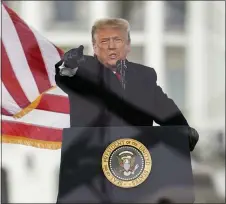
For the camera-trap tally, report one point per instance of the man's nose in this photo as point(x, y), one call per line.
point(111, 44)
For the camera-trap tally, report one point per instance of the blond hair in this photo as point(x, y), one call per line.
point(113, 23)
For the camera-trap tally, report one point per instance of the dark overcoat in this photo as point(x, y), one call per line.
point(97, 98)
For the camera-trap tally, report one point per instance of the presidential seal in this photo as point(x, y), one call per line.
point(126, 163)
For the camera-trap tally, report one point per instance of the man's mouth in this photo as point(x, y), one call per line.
point(112, 56)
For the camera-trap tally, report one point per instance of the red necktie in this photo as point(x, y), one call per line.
point(118, 76)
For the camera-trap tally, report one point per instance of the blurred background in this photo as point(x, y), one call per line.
point(183, 40)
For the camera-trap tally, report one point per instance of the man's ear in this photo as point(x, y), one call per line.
point(94, 48)
point(128, 47)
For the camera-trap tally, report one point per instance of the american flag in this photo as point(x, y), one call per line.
point(34, 109)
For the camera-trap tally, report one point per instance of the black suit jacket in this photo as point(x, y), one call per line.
point(98, 99)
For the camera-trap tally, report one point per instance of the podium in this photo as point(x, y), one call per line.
point(82, 178)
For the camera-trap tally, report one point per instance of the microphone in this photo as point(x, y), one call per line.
point(121, 69)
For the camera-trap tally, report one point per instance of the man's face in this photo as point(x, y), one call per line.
point(110, 45)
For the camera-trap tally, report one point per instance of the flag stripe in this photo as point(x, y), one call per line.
point(8, 103)
point(32, 53)
point(57, 91)
point(60, 52)
point(15, 51)
point(54, 103)
point(50, 56)
point(10, 81)
point(42, 118)
point(5, 112)
point(31, 131)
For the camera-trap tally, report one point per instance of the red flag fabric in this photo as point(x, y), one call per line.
point(34, 109)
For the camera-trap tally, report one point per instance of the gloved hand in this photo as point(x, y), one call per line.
point(193, 138)
point(74, 57)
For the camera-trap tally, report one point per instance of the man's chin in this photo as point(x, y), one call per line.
point(112, 62)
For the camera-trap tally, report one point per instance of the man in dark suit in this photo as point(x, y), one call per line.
point(97, 94)
point(106, 90)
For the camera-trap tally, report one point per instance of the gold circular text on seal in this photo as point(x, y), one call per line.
point(126, 163)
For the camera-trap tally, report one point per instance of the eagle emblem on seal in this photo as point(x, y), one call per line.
point(127, 163)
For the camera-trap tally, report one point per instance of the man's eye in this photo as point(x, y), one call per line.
point(118, 40)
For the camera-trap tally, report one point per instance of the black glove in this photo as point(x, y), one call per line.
point(74, 57)
point(193, 138)
point(191, 133)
